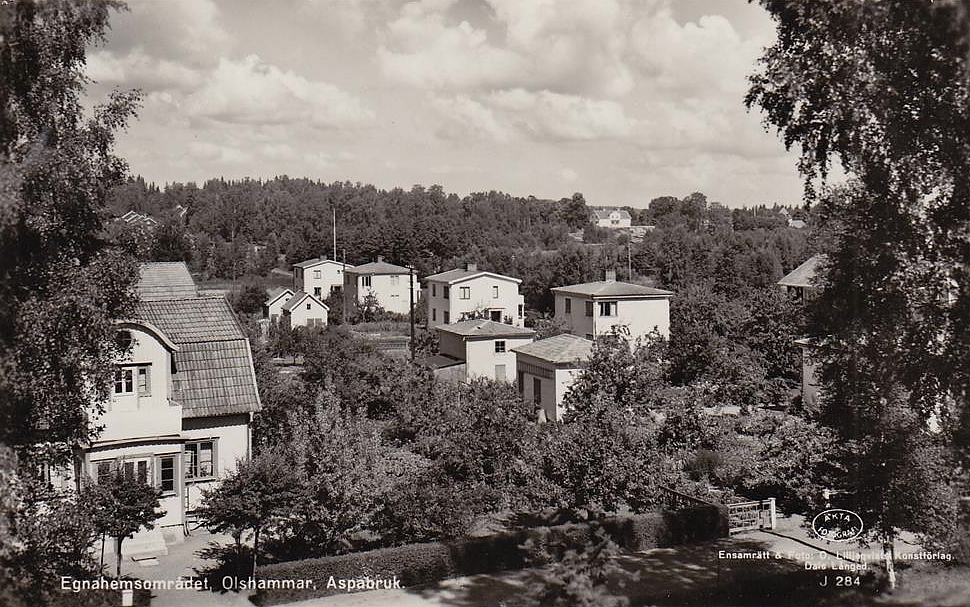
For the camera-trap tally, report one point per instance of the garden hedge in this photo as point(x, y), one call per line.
point(415, 564)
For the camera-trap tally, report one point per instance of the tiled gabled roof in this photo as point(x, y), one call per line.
point(559, 349)
point(159, 280)
point(298, 298)
point(803, 275)
point(485, 328)
point(612, 288)
point(277, 293)
point(214, 372)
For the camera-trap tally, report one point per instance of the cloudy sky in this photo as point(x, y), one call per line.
point(623, 100)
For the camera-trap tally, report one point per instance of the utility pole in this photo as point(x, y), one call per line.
point(343, 289)
point(334, 209)
point(411, 295)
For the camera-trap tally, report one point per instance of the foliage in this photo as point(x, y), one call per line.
point(248, 298)
point(254, 497)
point(119, 506)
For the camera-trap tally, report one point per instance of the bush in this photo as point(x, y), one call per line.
point(416, 564)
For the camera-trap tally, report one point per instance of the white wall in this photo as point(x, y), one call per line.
point(481, 292)
point(481, 358)
point(391, 291)
point(553, 388)
point(299, 316)
point(642, 316)
point(331, 275)
point(232, 434)
point(134, 415)
point(275, 310)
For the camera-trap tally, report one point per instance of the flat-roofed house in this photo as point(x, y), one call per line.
point(485, 347)
point(388, 283)
point(546, 368)
point(319, 276)
point(592, 309)
point(304, 310)
point(457, 294)
point(612, 218)
point(273, 306)
point(800, 283)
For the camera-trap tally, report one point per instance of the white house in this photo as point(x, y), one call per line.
point(273, 306)
point(611, 218)
point(800, 282)
point(545, 369)
point(592, 309)
point(319, 276)
point(304, 310)
point(461, 293)
point(388, 283)
point(485, 346)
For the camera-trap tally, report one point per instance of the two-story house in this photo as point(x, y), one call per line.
point(592, 309)
point(468, 292)
point(546, 368)
point(390, 285)
point(181, 404)
point(611, 218)
point(304, 310)
point(484, 346)
point(273, 306)
point(319, 276)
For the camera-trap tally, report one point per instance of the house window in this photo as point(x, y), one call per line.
point(144, 381)
point(589, 308)
point(495, 292)
point(123, 339)
point(446, 316)
point(365, 281)
point(200, 460)
point(317, 291)
point(166, 474)
point(308, 307)
point(589, 336)
point(500, 347)
point(607, 308)
point(125, 380)
point(537, 390)
point(316, 273)
point(520, 382)
point(521, 310)
point(500, 372)
point(445, 292)
point(465, 293)
point(395, 281)
point(102, 471)
point(434, 290)
point(136, 470)
point(434, 314)
point(569, 306)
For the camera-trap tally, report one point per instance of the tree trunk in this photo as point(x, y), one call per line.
point(889, 551)
point(120, 539)
point(255, 550)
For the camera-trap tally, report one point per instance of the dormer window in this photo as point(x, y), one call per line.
point(123, 339)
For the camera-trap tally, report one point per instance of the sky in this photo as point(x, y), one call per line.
point(622, 100)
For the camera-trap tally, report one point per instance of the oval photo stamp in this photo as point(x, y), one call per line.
point(837, 525)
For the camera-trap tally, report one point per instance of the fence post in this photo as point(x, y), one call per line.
point(771, 502)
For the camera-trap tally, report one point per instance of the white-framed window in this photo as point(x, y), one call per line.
point(495, 292)
point(365, 281)
point(465, 293)
point(102, 470)
point(200, 460)
point(521, 310)
point(395, 281)
point(137, 469)
point(500, 346)
point(125, 380)
point(607, 308)
point(144, 386)
point(316, 274)
point(167, 478)
point(434, 290)
point(317, 292)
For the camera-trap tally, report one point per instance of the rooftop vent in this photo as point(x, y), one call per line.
point(611, 275)
point(471, 267)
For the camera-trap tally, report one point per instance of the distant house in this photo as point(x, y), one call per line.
point(273, 306)
point(545, 369)
point(592, 309)
point(611, 218)
point(389, 284)
point(159, 280)
point(180, 410)
point(304, 310)
point(798, 224)
point(800, 282)
point(319, 276)
point(483, 346)
point(134, 218)
point(457, 294)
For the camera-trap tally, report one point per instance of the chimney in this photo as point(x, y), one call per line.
point(611, 275)
point(471, 267)
point(380, 258)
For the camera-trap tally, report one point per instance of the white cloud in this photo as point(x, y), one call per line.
point(249, 91)
point(568, 175)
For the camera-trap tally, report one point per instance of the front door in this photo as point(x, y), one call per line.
point(496, 315)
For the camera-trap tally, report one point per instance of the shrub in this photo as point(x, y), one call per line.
point(415, 564)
